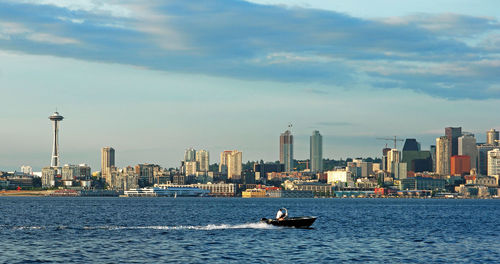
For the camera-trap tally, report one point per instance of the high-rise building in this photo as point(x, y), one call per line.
point(433, 157)
point(316, 152)
point(286, 150)
point(393, 157)
point(482, 158)
point(190, 155)
point(55, 118)
point(203, 160)
point(460, 165)
point(491, 136)
point(453, 133)
point(467, 147)
point(416, 159)
point(443, 155)
point(191, 167)
point(385, 165)
point(411, 144)
point(494, 162)
point(231, 162)
point(107, 161)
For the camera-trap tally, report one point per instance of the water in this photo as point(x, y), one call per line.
point(227, 230)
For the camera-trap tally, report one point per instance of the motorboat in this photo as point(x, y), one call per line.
point(297, 222)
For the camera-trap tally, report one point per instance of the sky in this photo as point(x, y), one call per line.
point(152, 78)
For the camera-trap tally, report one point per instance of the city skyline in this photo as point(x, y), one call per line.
point(184, 77)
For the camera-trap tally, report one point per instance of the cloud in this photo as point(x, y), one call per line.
point(10, 30)
point(446, 55)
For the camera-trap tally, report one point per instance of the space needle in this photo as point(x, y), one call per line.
point(56, 118)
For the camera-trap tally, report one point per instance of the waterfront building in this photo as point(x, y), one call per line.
point(494, 162)
point(421, 183)
point(492, 137)
point(316, 152)
point(482, 161)
point(467, 146)
point(190, 155)
point(55, 118)
point(216, 189)
point(107, 161)
point(286, 150)
point(203, 160)
point(453, 133)
point(443, 155)
point(460, 165)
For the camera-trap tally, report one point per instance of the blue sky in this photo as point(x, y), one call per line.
point(152, 78)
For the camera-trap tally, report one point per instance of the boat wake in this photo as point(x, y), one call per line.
point(258, 225)
point(207, 227)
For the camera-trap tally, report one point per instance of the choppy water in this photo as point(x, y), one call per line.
point(227, 230)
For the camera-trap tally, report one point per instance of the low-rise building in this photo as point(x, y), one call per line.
point(421, 183)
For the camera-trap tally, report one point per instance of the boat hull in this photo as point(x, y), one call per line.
point(297, 222)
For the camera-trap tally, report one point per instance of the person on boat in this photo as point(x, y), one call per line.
point(282, 214)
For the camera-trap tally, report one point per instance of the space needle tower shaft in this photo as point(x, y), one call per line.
point(55, 118)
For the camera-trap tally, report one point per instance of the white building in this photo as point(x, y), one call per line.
point(27, 169)
point(191, 167)
point(339, 176)
point(393, 156)
point(494, 162)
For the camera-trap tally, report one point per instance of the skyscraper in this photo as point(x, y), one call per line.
point(55, 118)
point(453, 133)
point(443, 155)
point(467, 147)
point(286, 150)
point(231, 162)
point(482, 158)
point(316, 152)
point(393, 159)
point(494, 162)
point(107, 161)
point(491, 136)
point(203, 160)
point(190, 155)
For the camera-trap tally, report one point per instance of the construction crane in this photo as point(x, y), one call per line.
point(306, 162)
point(395, 139)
